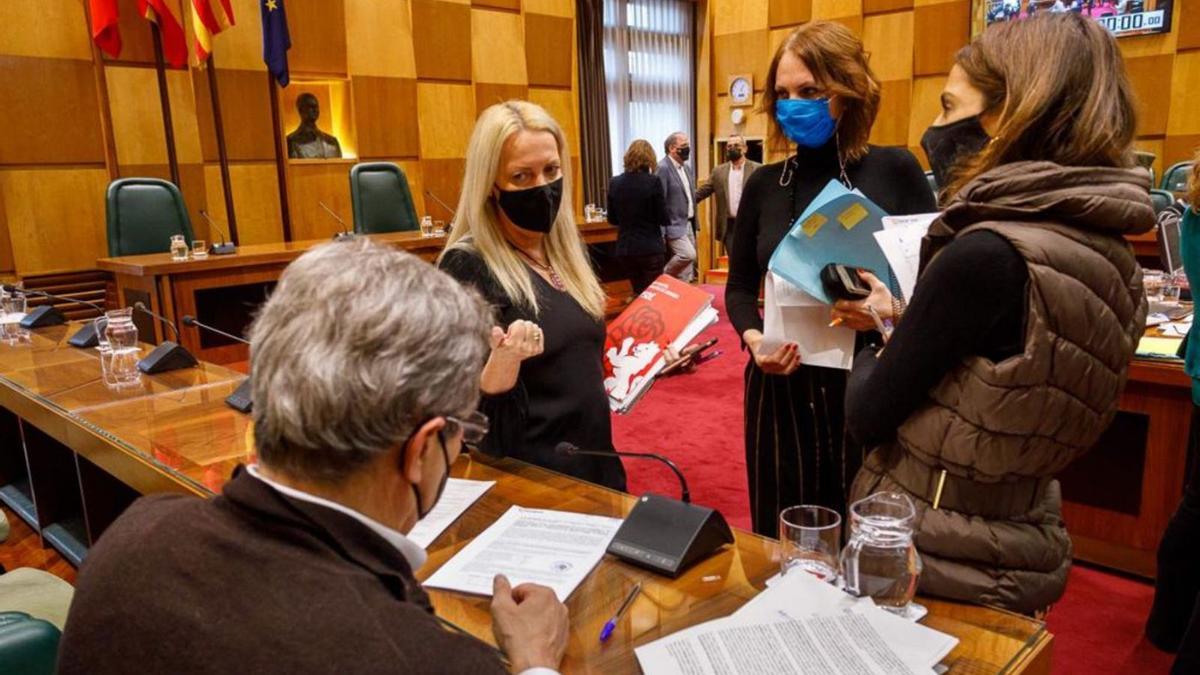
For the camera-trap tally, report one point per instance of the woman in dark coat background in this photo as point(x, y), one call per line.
point(638, 208)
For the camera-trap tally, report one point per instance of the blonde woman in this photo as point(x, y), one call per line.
point(515, 240)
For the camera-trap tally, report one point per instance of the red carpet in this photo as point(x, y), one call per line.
point(696, 420)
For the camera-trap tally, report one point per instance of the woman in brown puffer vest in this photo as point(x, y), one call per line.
point(1009, 361)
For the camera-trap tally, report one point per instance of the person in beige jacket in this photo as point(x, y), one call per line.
point(1009, 362)
point(726, 182)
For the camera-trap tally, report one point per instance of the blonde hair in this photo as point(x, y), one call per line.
point(477, 225)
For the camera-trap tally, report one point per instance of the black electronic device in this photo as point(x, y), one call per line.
point(43, 316)
point(662, 534)
point(345, 234)
point(240, 399)
point(226, 247)
point(842, 282)
point(168, 355)
point(48, 315)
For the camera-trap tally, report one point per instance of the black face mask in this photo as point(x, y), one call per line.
point(951, 143)
point(684, 153)
point(733, 154)
point(535, 208)
point(422, 512)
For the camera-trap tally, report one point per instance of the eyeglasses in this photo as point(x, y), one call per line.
point(474, 427)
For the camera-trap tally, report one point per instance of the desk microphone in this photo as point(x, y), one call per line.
point(441, 203)
point(226, 247)
point(240, 399)
point(662, 534)
point(168, 355)
point(685, 496)
point(345, 234)
point(49, 315)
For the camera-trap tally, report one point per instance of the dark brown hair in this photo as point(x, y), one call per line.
point(837, 61)
point(1057, 86)
point(640, 156)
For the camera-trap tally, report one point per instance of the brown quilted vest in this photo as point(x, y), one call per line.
point(993, 435)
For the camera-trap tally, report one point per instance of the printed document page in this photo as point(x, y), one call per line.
point(459, 495)
point(791, 315)
point(553, 548)
point(900, 241)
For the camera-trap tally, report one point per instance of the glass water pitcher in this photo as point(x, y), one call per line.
point(880, 559)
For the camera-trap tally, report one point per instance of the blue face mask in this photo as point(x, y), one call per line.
point(807, 122)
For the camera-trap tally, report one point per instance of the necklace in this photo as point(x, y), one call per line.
point(555, 280)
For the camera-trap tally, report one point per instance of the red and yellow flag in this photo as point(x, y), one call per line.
point(209, 17)
point(105, 32)
point(173, 40)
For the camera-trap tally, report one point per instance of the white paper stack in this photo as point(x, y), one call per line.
point(799, 626)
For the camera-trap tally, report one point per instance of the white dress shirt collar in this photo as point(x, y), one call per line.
point(415, 555)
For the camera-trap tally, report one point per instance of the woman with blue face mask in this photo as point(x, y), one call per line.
point(821, 98)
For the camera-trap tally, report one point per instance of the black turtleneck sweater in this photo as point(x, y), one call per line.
point(890, 177)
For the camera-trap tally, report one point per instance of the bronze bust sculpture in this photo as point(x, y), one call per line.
point(307, 141)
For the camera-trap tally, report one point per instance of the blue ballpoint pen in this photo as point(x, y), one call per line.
point(611, 625)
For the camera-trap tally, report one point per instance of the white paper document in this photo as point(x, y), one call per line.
point(553, 548)
point(900, 241)
point(458, 496)
point(791, 315)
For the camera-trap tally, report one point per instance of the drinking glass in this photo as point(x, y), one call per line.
point(14, 306)
point(881, 560)
point(427, 227)
point(179, 247)
point(1154, 281)
point(123, 350)
point(811, 537)
point(439, 228)
point(199, 249)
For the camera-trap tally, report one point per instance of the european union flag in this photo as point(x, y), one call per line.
point(276, 41)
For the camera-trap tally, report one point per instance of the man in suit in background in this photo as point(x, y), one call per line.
point(679, 185)
point(726, 182)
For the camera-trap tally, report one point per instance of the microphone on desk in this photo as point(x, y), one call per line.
point(345, 234)
point(662, 534)
point(167, 356)
point(240, 399)
point(226, 247)
point(49, 315)
point(441, 203)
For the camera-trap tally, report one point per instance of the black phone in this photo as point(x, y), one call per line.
point(842, 282)
point(689, 356)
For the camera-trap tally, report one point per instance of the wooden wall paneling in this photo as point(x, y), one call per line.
point(510, 5)
point(385, 110)
point(781, 13)
point(552, 7)
point(246, 112)
point(836, 9)
point(1187, 25)
point(50, 112)
point(548, 41)
point(65, 33)
point(255, 198)
point(441, 40)
point(6, 251)
point(240, 46)
point(736, 16)
point(778, 35)
point(137, 45)
point(487, 95)
point(136, 115)
point(183, 116)
point(416, 182)
point(55, 218)
point(498, 47)
point(939, 31)
point(561, 104)
point(1149, 45)
point(1184, 114)
point(1179, 148)
point(442, 177)
point(327, 181)
point(881, 6)
point(381, 38)
point(888, 39)
point(739, 53)
point(925, 105)
point(318, 32)
point(891, 125)
point(447, 114)
point(754, 126)
point(1150, 76)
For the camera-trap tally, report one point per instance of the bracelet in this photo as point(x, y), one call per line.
point(898, 307)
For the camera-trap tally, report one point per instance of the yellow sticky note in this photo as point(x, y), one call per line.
point(1158, 347)
point(814, 223)
point(852, 216)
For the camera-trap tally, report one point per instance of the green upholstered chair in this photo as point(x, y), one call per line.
point(1175, 178)
point(1161, 199)
point(27, 645)
point(143, 213)
point(381, 199)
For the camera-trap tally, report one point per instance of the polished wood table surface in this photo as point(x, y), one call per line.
point(173, 432)
point(224, 290)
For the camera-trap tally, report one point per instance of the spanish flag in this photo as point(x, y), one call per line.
point(209, 17)
point(173, 40)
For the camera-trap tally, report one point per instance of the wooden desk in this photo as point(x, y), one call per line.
point(72, 436)
point(224, 290)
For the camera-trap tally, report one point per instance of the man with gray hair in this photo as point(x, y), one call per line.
point(679, 186)
point(366, 367)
